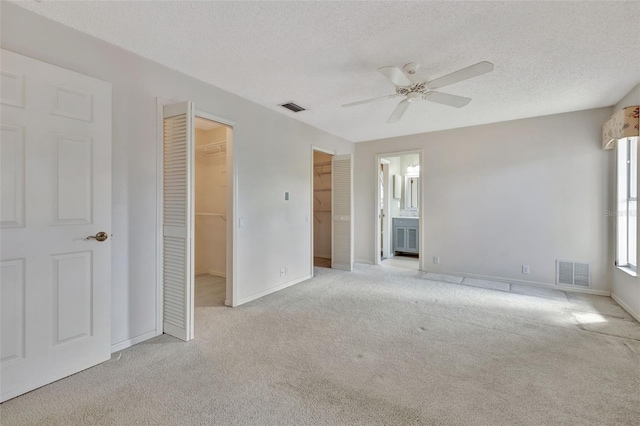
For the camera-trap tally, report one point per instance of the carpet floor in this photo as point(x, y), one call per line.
point(373, 346)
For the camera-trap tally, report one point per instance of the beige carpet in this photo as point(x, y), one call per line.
point(210, 290)
point(375, 346)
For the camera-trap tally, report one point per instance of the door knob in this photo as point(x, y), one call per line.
point(100, 236)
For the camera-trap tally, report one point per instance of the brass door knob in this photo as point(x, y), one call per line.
point(100, 236)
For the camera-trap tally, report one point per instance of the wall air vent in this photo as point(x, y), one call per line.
point(573, 273)
point(293, 107)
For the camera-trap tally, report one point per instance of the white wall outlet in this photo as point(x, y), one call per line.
point(241, 222)
point(525, 269)
point(282, 272)
point(436, 260)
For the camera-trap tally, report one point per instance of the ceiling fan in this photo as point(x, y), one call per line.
point(409, 84)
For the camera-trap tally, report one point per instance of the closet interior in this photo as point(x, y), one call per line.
point(321, 209)
point(210, 181)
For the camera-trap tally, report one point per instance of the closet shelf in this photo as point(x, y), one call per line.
point(322, 211)
point(319, 168)
point(222, 215)
point(322, 190)
point(213, 148)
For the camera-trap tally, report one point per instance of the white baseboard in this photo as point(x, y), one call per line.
point(531, 283)
point(134, 341)
point(211, 272)
point(271, 290)
point(626, 307)
point(364, 261)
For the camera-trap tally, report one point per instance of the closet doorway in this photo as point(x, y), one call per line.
point(322, 209)
point(210, 212)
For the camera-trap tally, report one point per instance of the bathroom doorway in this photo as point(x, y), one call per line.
point(398, 214)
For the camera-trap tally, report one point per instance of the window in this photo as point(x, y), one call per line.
point(627, 197)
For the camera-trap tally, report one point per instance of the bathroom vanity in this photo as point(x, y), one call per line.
point(406, 235)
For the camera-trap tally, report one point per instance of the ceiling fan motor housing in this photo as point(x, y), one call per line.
point(415, 88)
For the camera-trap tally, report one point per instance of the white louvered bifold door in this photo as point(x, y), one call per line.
point(177, 242)
point(342, 213)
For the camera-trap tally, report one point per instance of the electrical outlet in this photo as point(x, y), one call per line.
point(282, 272)
point(436, 260)
point(525, 269)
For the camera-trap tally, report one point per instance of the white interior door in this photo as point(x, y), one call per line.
point(177, 220)
point(55, 292)
point(341, 212)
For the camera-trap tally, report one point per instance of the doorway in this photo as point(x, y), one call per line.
point(195, 146)
point(210, 213)
point(398, 212)
point(322, 209)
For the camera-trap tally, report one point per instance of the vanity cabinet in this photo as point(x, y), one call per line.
point(406, 235)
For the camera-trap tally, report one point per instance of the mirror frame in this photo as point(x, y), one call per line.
point(406, 180)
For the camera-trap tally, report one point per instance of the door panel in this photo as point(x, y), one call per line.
point(12, 314)
point(72, 180)
point(56, 191)
point(401, 236)
point(342, 212)
point(12, 176)
point(72, 288)
point(412, 239)
point(177, 217)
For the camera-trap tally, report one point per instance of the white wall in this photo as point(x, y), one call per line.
point(501, 195)
point(273, 155)
point(625, 288)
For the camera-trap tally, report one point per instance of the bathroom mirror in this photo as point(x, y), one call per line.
point(411, 201)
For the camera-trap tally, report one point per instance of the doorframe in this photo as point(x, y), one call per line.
point(387, 208)
point(311, 217)
point(232, 208)
point(378, 158)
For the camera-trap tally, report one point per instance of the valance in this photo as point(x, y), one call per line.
point(622, 124)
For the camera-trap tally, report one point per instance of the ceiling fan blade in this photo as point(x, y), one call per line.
point(447, 99)
point(399, 111)
point(463, 74)
point(366, 101)
point(396, 76)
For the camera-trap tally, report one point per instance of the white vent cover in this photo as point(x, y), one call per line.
point(573, 273)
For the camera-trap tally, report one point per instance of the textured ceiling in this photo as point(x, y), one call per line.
point(549, 57)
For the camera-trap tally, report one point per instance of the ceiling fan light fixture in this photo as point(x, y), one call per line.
point(414, 89)
point(414, 96)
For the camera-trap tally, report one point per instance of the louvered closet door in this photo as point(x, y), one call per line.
point(177, 243)
point(342, 213)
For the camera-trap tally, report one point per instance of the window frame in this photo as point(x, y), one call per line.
point(625, 197)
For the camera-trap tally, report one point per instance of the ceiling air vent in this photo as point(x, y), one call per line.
point(573, 273)
point(293, 107)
